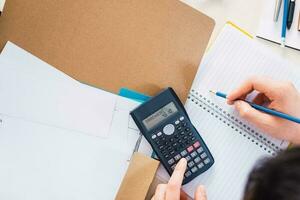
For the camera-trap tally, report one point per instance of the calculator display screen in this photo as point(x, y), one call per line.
point(160, 115)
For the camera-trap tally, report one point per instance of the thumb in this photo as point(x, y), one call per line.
point(200, 193)
point(252, 115)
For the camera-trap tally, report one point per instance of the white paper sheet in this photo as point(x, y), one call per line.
point(33, 90)
point(15, 54)
point(2, 3)
point(39, 161)
point(43, 162)
point(131, 135)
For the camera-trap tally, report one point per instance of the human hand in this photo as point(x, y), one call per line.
point(172, 190)
point(278, 95)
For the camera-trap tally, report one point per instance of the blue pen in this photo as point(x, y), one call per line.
point(264, 109)
point(284, 21)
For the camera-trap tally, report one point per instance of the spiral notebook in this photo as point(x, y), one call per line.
point(235, 144)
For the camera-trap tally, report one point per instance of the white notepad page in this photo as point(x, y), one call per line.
point(235, 145)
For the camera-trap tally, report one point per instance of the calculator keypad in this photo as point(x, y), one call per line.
point(177, 141)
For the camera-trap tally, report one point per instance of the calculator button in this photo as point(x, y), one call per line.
point(181, 118)
point(194, 169)
point(191, 164)
point(193, 138)
point(187, 129)
point(177, 157)
point(169, 129)
point(200, 150)
point(164, 152)
point(159, 142)
point(173, 167)
point(197, 144)
point(153, 136)
point(187, 174)
point(171, 161)
point(182, 145)
point(172, 152)
point(188, 158)
point(159, 134)
point(183, 124)
point(200, 165)
point(179, 128)
point(177, 122)
point(170, 148)
point(161, 147)
point(197, 159)
point(175, 144)
point(207, 160)
point(190, 149)
point(182, 133)
point(194, 154)
point(204, 155)
point(183, 153)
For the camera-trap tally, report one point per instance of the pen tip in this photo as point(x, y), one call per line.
point(211, 91)
point(282, 42)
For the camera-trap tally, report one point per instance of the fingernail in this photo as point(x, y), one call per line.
point(237, 103)
point(201, 190)
point(229, 102)
point(201, 187)
point(182, 163)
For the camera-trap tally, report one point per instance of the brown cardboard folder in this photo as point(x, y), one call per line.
point(145, 45)
point(138, 178)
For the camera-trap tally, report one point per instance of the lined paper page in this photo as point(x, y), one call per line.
point(232, 60)
point(227, 177)
point(234, 157)
point(234, 143)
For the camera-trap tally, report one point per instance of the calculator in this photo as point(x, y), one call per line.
point(166, 126)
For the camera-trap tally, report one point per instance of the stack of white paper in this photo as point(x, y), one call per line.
point(60, 139)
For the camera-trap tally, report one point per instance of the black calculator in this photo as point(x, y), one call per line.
point(165, 124)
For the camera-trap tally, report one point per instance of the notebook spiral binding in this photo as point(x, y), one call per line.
point(233, 122)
